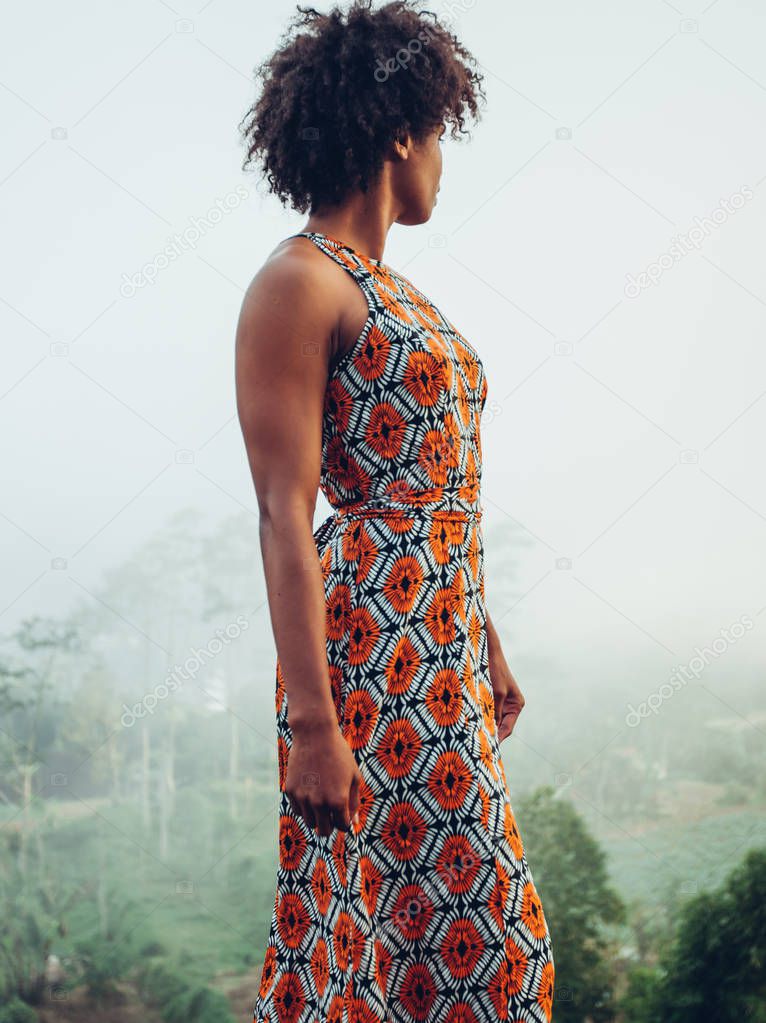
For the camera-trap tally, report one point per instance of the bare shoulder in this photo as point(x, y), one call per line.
point(281, 369)
point(289, 294)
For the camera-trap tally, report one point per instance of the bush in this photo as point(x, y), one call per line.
point(178, 998)
point(198, 1005)
point(17, 1012)
point(641, 1001)
point(102, 962)
point(714, 969)
point(107, 951)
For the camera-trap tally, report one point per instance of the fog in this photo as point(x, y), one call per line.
point(598, 239)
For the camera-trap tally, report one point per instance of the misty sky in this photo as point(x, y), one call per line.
point(625, 424)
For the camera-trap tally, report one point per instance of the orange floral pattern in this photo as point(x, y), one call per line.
point(426, 910)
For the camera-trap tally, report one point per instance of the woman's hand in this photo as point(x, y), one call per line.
point(509, 700)
point(323, 778)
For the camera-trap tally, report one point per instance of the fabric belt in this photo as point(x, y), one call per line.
point(369, 511)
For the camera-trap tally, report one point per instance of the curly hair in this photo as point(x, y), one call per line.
point(342, 86)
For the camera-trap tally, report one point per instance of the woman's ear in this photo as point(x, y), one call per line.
point(401, 145)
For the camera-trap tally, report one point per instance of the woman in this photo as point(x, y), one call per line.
point(403, 892)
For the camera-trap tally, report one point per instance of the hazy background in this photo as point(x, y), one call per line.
point(623, 485)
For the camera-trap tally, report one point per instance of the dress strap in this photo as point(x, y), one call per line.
point(341, 252)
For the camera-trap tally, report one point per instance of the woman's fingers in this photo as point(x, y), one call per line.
point(307, 812)
point(324, 817)
point(499, 708)
point(296, 807)
point(324, 820)
point(510, 716)
point(341, 818)
point(353, 798)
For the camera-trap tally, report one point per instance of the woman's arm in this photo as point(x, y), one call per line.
point(508, 697)
point(282, 353)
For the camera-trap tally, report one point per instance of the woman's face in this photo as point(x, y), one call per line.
point(417, 178)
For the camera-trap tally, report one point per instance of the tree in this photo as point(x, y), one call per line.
point(569, 870)
point(29, 708)
point(716, 968)
point(34, 919)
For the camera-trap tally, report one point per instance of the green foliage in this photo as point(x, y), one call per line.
point(164, 790)
point(179, 999)
point(641, 1001)
point(33, 919)
point(716, 968)
point(159, 982)
point(101, 963)
point(199, 1004)
point(569, 870)
point(107, 949)
point(152, 948)
point(17, 1011)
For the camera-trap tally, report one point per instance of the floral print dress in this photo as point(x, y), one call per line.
point(426, 911)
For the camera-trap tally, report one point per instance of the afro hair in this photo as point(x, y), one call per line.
point(343, 86)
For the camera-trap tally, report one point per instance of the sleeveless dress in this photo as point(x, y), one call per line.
point(426, 912)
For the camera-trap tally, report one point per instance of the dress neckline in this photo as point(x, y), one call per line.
point(383, 267)
point(343, 245)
